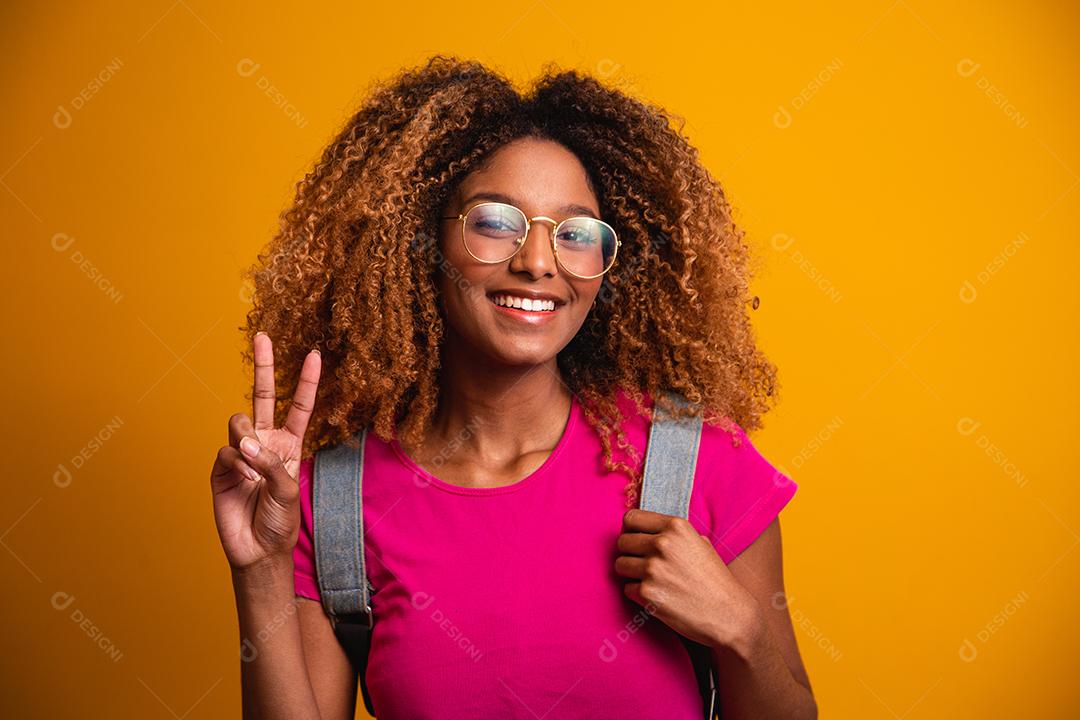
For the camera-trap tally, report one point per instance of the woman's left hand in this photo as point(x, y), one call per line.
point(677, 575)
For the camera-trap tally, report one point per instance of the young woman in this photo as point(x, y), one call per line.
point(498, 284)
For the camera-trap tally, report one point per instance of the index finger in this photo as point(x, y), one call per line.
point(264, 395)
point(648, 521)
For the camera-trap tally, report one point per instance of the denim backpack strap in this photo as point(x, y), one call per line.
point(670, 461)
point(338, 520)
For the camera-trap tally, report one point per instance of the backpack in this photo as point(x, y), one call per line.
point(337, 511)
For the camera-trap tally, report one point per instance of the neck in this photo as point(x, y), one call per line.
point(496, 412)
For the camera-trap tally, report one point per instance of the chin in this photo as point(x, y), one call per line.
point(523, 356)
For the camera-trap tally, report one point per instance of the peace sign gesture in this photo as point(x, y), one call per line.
point(255, 477)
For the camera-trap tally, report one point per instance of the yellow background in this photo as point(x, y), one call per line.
point(906, 173)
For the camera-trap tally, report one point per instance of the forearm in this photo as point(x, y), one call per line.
point(754, 682)
point(273, 673)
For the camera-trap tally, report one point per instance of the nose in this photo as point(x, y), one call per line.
point(537, 257)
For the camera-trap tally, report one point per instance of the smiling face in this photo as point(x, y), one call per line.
point(541, 177)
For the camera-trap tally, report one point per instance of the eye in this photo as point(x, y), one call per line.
point(495, 221)
point(577, 235)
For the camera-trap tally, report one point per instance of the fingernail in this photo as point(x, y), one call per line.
point(260, 333)
point(316, 351)
point(249, 447)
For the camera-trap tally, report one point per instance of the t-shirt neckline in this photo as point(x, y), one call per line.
point(434, 481)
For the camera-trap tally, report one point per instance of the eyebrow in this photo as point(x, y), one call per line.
point(569, 208)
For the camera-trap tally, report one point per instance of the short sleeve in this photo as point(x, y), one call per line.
point(737, 492)
point(304, 551)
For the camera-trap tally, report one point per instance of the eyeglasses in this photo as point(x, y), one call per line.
point(494, 232)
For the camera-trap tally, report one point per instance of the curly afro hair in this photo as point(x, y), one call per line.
point(346, 273)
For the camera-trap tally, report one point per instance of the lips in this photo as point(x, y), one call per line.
point(521, 317)
point(524, 305)
point(530, 294)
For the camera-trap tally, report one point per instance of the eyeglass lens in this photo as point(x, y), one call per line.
point(493, 232)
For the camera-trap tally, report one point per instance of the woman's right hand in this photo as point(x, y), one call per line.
point(255, 477)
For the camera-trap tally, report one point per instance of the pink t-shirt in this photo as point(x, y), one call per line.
point(504, 602)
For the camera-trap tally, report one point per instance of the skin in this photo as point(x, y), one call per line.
point(496, 370)
point(674, 571)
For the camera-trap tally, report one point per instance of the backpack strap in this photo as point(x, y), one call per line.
point(670, 461)
point(338, 518)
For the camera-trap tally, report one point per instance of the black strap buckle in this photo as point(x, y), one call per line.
point(363, 618)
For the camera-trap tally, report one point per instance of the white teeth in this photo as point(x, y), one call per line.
point(524, 303)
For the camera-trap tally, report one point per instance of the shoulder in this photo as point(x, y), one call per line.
point(737, 491)
point(731, 448)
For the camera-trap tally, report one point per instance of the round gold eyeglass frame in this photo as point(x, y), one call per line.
point(528, 224)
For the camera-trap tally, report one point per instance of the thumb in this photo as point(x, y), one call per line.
point(279, 483)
